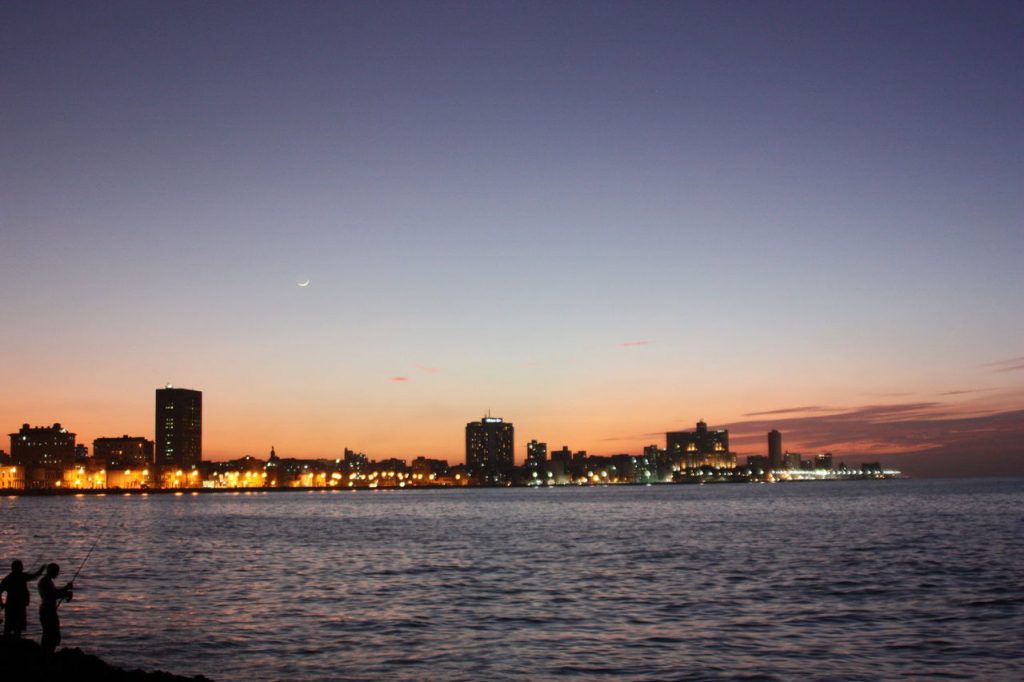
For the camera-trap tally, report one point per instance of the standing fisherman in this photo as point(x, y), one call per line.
point(51, 596)
point(16, 587)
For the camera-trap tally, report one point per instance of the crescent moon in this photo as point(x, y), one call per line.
point(304, 283)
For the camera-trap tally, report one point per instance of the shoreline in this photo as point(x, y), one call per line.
point(24, 660)
point(180, 492)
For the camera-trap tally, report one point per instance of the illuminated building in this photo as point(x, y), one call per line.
point(823, 461)
point(12, 477)
point(558, 472)
point(791, 460)
point(692, 449)
point(355, 461)
point(489, 451)
point(536, 458)
point(661, 461)
point(425, 471)
point(775, 450)
point(632, 469)
point(124, 452)
point(44, 452)
point(180, 478)
point(129, 479)
point(85, 476)
point(179, 427)
point(42, 446)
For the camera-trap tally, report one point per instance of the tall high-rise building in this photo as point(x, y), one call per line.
point(489, 451)
point(179, 427)
point(775, 457)
point(536, 457)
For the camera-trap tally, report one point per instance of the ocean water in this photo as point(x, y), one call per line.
point(866, 580)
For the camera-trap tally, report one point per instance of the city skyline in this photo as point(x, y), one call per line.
point(995, 433)
point(603, 221)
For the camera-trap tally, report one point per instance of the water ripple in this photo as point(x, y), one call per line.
point(853, 581)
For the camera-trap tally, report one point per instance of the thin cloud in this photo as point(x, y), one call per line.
point(399, 379)
point(429, 370)
point(924, 438)
point(630, 344)
point(1009, 365)
point(962, 391)
point(792, 410)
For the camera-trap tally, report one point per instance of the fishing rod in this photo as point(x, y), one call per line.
point(95, 542)
point(88, 554)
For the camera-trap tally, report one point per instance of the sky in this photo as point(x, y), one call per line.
point(600, 221)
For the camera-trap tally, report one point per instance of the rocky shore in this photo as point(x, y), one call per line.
point(23, 660)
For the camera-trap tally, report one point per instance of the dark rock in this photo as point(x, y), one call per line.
point(23, 660)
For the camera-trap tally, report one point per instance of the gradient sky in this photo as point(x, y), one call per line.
point(600, 221)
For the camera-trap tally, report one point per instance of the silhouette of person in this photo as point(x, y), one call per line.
point(51, 596)
point(15, 585)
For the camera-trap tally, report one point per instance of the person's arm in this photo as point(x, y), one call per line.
point(33, 576)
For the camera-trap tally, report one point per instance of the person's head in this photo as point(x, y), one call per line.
point(52, 570)
point(17, 566)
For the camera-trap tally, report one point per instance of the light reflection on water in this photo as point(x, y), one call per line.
point(854, 580)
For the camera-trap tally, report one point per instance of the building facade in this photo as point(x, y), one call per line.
point(775, 461)
point(43, 446)
point(179, 427)
point(698, 448)
point(489, 451)
point(536, 459)
point(126, 451)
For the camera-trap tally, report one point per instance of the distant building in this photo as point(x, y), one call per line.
point(179, 427)
point(43, 446)
point(775, 450)
point(425, 470)
point(126, 451)
point(691, 449)
point(791, 461)
point(12, 477)
point(536, 459)
point(661, 460)
point(355, 461)
point(564, 455)
point(823, 461)
point(758, 463)
point(489, 451)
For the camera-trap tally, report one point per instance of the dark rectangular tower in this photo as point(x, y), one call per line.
point(775, 460)
point(179, 427)
point(489, 451)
